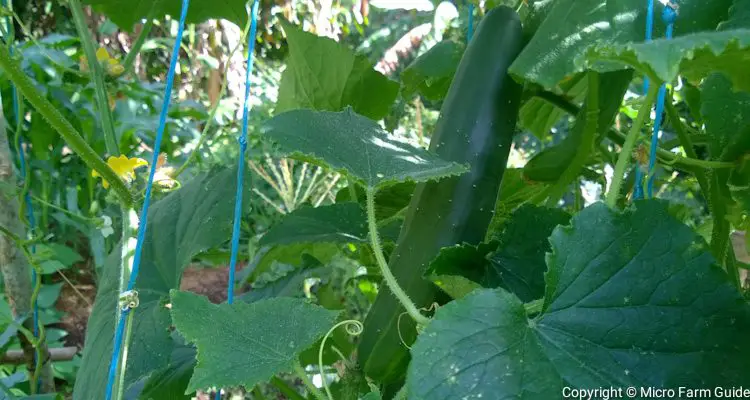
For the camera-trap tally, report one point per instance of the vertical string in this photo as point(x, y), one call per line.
point(669, 16)
point(470, 31)
point(638, 184)
point(143, 224)
point(242, 141)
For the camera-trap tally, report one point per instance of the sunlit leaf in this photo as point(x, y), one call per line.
point(356, 146)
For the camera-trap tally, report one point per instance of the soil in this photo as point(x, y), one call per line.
point(209, 282)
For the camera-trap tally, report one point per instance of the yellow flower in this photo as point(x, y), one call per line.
point(111, 65)
point(123, 166)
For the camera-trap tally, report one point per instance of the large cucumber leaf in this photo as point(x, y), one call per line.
point(254, 341)
point(726, 114)
point(125, 13)
point(573, 26)
point(633, 299)
point(181, 225)
point(356, 146)
point(694, 56)
point(324, 75)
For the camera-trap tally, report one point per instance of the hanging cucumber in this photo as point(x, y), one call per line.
point(476, 127)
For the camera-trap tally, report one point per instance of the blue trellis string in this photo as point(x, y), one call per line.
point(669, 16)
point(638, 186)
point(470, 31)
point(242, 141)
point(142, 225)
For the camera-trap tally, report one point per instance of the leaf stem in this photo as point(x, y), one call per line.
point(687, 144)
point(586, 145)
point(627, 148)
point(97, 76)
point(390, 280)
point(61, 125)
point(129, 61)
point(302, 374)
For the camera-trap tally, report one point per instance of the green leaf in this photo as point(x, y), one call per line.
point(324, 75)
point(170, 383)
point(633, 299)
point(244, 344)
point(573, 26)
point(342, 222)
point(514, 191)
point(126, 13)
point(514, 260)
point(356, 146)
point(53, 257)
point(389, 201)
point(519, 261)
point(461, 269)
point(291, 254)
point(539, 116)
point(184, 223)
point(694, 56)
point(739, 16)
point(549, 164)
point(726, 114)
point(431, 73)
point(289, 284)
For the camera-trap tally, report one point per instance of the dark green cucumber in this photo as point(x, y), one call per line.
point(476, 127)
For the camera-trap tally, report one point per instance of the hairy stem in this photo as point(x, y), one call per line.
point(627, 148)
point(285, 389)
point(97, 76)
point(585, 147)
point(73, 139)
point(390, 280)
point(687, 144)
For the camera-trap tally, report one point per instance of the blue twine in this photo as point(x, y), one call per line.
point(638, 190)
point(242, 141)
point(669, 16)
point(470, 31)
point(143, 224)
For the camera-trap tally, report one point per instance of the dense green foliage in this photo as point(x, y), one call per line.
point(424, 218)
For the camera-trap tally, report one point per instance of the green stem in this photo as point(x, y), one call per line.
point(390, 280)
point(584, 147)
point(687, 145)
point(534, 307)
point(401, 394)
point(129, 230)
point(302, 374)
point(129, 61)
point(285, 389)
point(721, 230)
point(97, 76)
point(627, 148)
point(73, 139)
point(63, 210)
point(204, 133)
point(124, 356)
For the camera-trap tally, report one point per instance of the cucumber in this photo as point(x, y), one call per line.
point(476, 127)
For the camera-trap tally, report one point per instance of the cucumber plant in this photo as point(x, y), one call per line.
point(478, 281)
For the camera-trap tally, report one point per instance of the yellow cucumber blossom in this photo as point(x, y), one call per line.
point(111, 65)
point(123, 166)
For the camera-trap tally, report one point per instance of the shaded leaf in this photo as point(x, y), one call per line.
point(181, 225)
point(126, 13)
point(170, 383)
point(632, 299)
point(324, 75)
point(243, 344)
point(739, 16)
point(291, 254)
point(342, 222)
point(354, 145)
point(726, 114)
point(694, 56)
point(514, 191)
point(460, 269)
point(539, 116)
point(571, 27)
point(431, 73)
